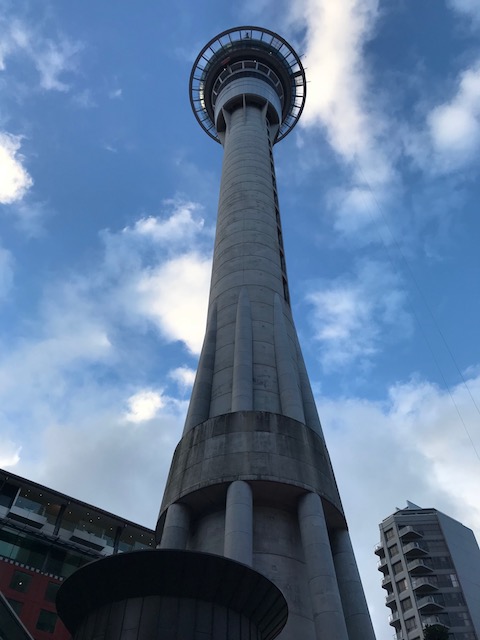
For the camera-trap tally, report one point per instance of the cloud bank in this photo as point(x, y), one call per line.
point(14, 178)
point(352, 314)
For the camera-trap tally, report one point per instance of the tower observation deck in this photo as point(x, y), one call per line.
point(251, 509)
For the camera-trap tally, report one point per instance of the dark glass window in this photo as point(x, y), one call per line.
point(389, 534)
point(460, 619)
point(22, 548)
point(55, 560)
point(401, 585)
point(7, 544)
point(441, 562)
point(410, 624)
point(20, 581)
point(72, 562)
point(437, 545)
point(454, 599)
point(7, 495)
point(16, 605)
point(397, 567)
point(406, 604)
point(31, 553)
point(46, 621)
point(393, 550)
point(51, 591)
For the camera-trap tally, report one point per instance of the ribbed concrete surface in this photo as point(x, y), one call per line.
point(248, 299)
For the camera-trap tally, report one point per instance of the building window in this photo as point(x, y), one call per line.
point(51, 591)
point(16, 605)
point(441, 562)
point(460, 619)
point(389, 534)
point(437, 546)
point(410, 624)
point(401, 585)
point(454, 580)
point(285, 290)
point(454, 599)
point(406, 604)
point(393, 550)
point(46, 621)
point(397, 567)
point(7, 495)
point(20, 581)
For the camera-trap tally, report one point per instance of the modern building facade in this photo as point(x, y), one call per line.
point(44, 537)
point(431, 573)
point(251, 509)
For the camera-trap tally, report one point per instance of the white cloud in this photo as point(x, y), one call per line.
point(356, 209)
point(341, 102)
point(182, 225)
point(339, 96)
point(86, 456)
point(444, 428)
point(155, 276)
point(144, 405)
point(14, 178)
point(9, 452)
point(468, 7)
point(336, 35)
point(52, 58)
point(81, 334)
point(42, 369)
point(115, 94)
point(183, 376)
point(174, 296)
point(350, 314)
point(454, 126)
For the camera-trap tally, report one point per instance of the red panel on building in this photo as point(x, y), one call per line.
point(30, 593)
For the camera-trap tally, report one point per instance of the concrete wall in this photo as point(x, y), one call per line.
point(466, 558)
point(250, 445)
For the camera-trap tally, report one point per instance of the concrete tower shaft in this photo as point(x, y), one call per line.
point(251, 478)
point(252, 88)
point(251, 358)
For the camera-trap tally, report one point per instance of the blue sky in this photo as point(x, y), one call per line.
point(108, 191)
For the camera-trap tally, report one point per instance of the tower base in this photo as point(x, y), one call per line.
point(169, 594)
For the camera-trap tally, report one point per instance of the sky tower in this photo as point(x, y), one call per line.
point(251, 477)
point(251, 509)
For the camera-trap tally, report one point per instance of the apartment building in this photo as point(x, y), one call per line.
point(431, 573)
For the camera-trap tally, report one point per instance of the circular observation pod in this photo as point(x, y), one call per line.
point(248, 53)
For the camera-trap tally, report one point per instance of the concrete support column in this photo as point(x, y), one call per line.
point(199, 408)
point(354, 604)
point(176, 528)
point(290, 396)
point(239, 523)
point(242, 385)
point(326, 603)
